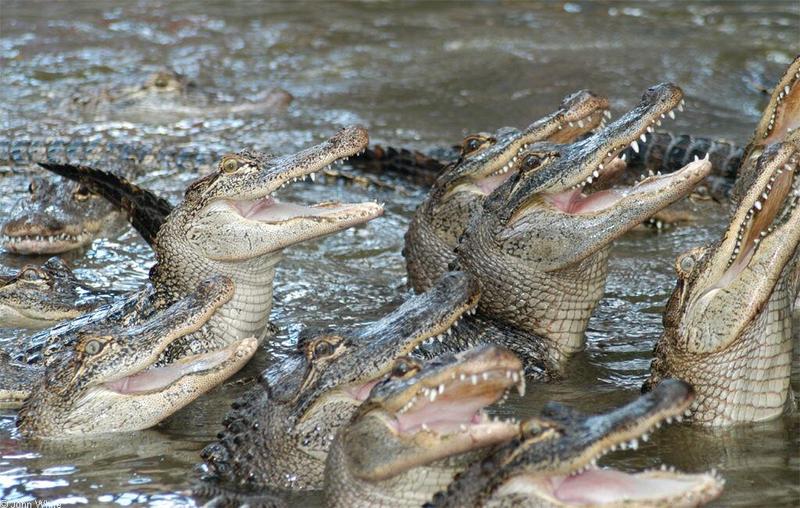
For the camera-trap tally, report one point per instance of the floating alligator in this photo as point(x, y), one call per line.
point(41, 296)
point(167, 96)
point(539, 245)
point(728, 324)
point(554, 461)
point(201, 238)
point(279, 432)
point(419, 427)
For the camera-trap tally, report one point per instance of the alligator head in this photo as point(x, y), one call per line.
point(231, 223)
point(279, 435)
point(728, 323)
point(108, 381)
point(41, 296)
point(554, 461)
point(539, 245)
point(417, 427)
point(57, 216)
point(486, 161)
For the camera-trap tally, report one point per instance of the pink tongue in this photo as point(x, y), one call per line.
point(154, 379)
point(489, 184)
point(575, 202)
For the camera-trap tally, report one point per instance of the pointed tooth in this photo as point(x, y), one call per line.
point(671, 114)
point(635, 146)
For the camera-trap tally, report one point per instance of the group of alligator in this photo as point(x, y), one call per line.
point(508, 257)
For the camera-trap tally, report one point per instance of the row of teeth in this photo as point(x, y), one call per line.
point(633, 444)
point(313, 176)
point(633, 144)
point(40, 238)
point(757, 206)
point(783, 93)
point(449, 332)
point(579, 123)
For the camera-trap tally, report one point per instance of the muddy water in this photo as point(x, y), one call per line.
point(417, 75)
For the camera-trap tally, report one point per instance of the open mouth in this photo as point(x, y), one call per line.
point(586, 483)
point(45, 244)
point(457, 405)
point(157, 379)
point(785, 116)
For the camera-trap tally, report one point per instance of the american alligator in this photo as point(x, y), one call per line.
point(554, 461)
point(41, 296)
point(168, 96)
point(419, 427)
point(203, 236)
point(539, 246)
point(486, 161)
point(59, 215)
point(279, 432)
point(108, 381)
point(728, 323)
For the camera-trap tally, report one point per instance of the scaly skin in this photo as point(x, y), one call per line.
point(419, 427)
point(41, 296)
point(107, 382)
point(167, 96)
point(278, 433)
point(202, 237)
point(728, 323)
point(61, 215)
point(539, 246)
point(554, 462)
point(486, 161)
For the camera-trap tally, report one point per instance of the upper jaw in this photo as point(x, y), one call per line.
point(782, 115)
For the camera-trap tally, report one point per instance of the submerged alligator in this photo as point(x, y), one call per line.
point(279, 432)
point(59, 215)
point(728, 324)
point(539, 245)
point(41, 296)
point(169, 96)
point(200, 239)
point(419, 427)
point(554, 461)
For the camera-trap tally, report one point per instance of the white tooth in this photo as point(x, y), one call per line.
point(514, 377)
point(658, 122)
point(758, 205)
point(462, 427)
point(589, 180)
point(623, 156)
point(432, 395)
point(696, 158)
point(635, 146)
point(580, 123)
point(633, 445)
point(787, 89)
point(485, 376)
point(313, 177)
point(425, 427)
point(645, 437)
point(643, 137)
point(680, 107)
point(600, 167)
point(671, 114)
point(662, 115)
point(607, 114)
point(596, 174)
point(473, 379)
point(462, 377)
point(650, 128)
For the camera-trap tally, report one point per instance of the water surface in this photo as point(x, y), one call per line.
point(419, 75)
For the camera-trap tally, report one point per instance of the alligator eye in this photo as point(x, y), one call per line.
point(405, 367)
point(81, 194)
point(32, 187)
point(230, 165)
point(686, 263)
point(472, 144)
point(161, 82)
point(33, 273)
point(92, 347)
point(531, 161)
point(323, 349)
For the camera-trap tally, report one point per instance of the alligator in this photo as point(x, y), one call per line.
point(553, 462)
point(277, 435)
point(539, 245)
point(39, 296)
point(485, 162)
point(728, 323)
point(202, 237)
point(419, 427)
point(168, 96)
point(60, 215)
point(108, 380)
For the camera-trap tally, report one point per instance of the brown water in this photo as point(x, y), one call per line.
point(416, 75)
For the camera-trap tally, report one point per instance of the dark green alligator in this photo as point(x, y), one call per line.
point(419, 427)
point(108, 381)
point(201, 238)
point(539, 245)
point(728, 323)
point(59, 215)
point(167, 96)
point(486, 161)
point(279, 432)
point(554, 461)
point(41, 296)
